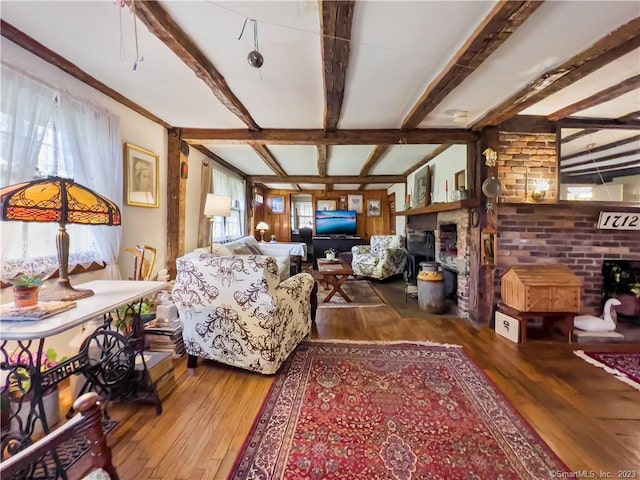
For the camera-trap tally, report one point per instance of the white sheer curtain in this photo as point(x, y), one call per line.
point(93, 138)
point(25, 110)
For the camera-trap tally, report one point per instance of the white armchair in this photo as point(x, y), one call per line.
point(385, 257)
point(235, 310)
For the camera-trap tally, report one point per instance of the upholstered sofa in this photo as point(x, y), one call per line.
point(235, 310)
point(250, 246)
point(385, 257)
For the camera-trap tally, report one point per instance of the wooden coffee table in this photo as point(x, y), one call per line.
point(335, 273)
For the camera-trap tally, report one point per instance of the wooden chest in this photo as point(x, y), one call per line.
point(541, 288)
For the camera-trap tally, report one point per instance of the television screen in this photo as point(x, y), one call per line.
point(335, 222)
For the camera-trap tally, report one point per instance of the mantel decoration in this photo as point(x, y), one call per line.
point(61, 200)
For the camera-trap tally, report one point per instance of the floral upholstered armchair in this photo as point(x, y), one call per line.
point(385, 257)
point(235, 310)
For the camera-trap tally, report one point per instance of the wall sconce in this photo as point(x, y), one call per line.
point(542, 187)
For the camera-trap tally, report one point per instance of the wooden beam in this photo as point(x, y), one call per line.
point(600, 123)
point(270, 160)
point(595, 161)
point(609, 48)
point(374, 157)
point(329, 180)
point(335, 22)
point(176, 202)
point(25, 41)
point(219, 160)
point(529, 124)
point(428, 158)
point(602, 148)
point(160, 24)
point(503, 20)
point(603, 96)
point(600, 177)
point(322, 160)
point(629, 117)
point(285, 136)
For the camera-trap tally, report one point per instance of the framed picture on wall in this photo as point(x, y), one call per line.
point(277, 204)
point(420, 188)
point(325, 205)
point(141, 169)
point(355, 203)
point(459, 182)
point(374, 208)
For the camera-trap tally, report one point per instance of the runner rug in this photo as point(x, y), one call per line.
point(624, 365)
point(351, 410)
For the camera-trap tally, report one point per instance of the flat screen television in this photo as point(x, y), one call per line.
point(336, 222)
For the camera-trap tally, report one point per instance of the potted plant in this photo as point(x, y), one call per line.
point(330, 253)
point(20, 386)
point(25, 289)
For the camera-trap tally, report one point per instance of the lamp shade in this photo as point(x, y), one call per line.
point(60, 200)
point(262, 226)
point(217, 206)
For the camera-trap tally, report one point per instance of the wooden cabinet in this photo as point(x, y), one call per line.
point(541, 288)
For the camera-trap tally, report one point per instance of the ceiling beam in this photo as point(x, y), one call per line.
point(587, 131)
point(195, 136)
point(609, 48)
point(322, 160)
point(600, 123)
point(25, 41)
point(598, 160)
point(270, 160)
point(503, 20)
point(329, 180)
point(208, 153)
point(374, 157)
point(335, 22)
point(602, 148)
point(428, 158)
point(603, 96)
point(598, 178)
point(160, 24)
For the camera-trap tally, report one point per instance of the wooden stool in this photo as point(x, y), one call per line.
point(548, 319)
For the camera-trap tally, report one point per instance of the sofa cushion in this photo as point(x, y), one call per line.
point(220, 250)
point(243, 250)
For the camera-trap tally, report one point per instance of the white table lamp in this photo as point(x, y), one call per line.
point(216, 206)
point(262, 226)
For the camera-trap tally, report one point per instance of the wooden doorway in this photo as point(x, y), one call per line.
point(391, 201)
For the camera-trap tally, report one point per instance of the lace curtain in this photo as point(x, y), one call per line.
point(232, 226)
point(44, 131)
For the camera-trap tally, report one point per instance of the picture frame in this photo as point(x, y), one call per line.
point(325, 204)
point(420, 188)
point(354, 202)
point(141, 171)
point(374, 208)
point(459, 181)
point(277, 204)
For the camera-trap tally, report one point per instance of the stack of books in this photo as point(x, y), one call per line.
point(161, 372)
point(165, 337)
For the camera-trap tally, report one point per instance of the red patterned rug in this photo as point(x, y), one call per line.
point(364, 411)
point(624, 365)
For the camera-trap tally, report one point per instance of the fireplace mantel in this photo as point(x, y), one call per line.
point(442, 207)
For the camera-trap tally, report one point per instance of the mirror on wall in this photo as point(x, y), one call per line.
point(599, 164)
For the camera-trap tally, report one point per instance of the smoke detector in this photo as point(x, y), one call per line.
point(461, 116)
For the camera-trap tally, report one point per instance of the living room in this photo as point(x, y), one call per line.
point(585, 416)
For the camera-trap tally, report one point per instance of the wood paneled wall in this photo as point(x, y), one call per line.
point(280, 224)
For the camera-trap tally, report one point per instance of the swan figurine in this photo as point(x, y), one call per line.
point(590, 323)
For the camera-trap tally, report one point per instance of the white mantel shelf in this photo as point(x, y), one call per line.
point(442, 207)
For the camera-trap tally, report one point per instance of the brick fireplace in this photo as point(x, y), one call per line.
point(452, 252)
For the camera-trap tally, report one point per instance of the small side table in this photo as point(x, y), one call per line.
point(548, 319)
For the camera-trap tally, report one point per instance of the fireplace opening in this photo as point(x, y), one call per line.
point(421, 247)
point(621, 280)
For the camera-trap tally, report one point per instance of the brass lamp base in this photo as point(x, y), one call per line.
point(63, 291)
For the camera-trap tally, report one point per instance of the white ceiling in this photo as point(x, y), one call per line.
point(397, 49)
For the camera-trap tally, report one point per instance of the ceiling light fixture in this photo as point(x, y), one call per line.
point(461, 116)
point(254, 57)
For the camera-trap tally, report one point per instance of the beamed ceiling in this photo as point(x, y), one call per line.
point(354, 95)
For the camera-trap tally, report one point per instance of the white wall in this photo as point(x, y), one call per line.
point(444, 167)
point(139, 224)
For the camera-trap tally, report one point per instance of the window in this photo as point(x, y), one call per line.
point(46, 132)
point(231, 227)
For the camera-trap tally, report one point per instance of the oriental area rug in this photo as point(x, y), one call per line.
point(392, 410)
point(359, 291)
point(624, 365)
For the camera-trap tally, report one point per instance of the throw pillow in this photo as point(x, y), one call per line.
point(243, 250)
point(220, 250)
point(255, 250)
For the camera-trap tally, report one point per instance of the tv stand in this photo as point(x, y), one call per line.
point(339, 243)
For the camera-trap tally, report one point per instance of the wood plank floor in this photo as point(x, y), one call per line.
point(590, 419)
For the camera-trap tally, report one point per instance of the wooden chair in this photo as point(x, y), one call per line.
point(143, 262)
point(88, 422)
